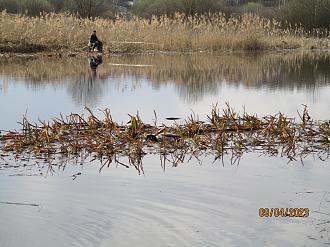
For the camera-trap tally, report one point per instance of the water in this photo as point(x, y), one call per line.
point(172, 85)
point(193, 204)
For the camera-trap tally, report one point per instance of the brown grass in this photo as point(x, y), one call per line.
point(225, 133)
point(54, 32)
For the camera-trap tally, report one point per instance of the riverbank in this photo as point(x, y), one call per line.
point(66, 33)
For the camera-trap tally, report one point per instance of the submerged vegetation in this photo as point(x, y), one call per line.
point(209, 32)
point(86, 138)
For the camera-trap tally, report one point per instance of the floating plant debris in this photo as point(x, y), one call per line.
point(20, 204)
point(226, 132)
point(172, 118)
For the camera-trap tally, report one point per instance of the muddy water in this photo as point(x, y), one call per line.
point(194, 204)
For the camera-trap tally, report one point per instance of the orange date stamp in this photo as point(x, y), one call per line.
point(284, 212)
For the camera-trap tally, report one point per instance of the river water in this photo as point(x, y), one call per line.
point(197, 203)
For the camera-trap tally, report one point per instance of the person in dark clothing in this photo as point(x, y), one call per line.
point(95, 43)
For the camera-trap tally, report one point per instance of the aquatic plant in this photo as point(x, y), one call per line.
point(225, 133)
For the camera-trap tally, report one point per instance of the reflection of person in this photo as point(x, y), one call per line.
point(95, 61)
point(95, 43)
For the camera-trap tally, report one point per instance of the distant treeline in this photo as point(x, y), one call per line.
point(84, 8)
point(309, 13)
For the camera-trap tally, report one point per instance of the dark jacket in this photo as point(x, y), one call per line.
point(93, 39)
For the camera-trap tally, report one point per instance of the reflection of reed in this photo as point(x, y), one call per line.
point(272, 70)
point(193, 75)
point(197, 75)
point(83, 83)
point(45, 70)
point(86, 90)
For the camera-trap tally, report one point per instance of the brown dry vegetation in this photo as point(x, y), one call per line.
point(214, 32)
point(225, 133)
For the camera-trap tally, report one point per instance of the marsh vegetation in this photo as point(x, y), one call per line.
point(59, 164)
point(222, 163)
point(210, 32)
point(225, 133)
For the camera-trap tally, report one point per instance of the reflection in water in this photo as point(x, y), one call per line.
point(190, 205)
point(194, 76)
point(87, 88)
point(94, 62)
point(187, 206)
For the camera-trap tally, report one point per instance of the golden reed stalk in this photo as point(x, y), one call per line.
point(212, 32)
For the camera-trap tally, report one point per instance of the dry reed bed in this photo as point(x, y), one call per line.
point(213, 32)
point(225, 133)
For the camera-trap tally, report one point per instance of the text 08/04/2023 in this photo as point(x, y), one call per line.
point(284, 212)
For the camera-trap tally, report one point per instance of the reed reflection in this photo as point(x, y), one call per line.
point(87, 88)
point(194, 76)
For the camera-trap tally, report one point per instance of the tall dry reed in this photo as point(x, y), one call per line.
point(212, 32)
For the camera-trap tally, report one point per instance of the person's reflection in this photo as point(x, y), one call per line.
point(94, 62)
point(88, 87)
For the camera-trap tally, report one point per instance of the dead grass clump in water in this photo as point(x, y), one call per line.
point(252, 43)
point(213, 32)
point(226, 133)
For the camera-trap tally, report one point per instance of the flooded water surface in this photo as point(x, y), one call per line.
point(198, 202)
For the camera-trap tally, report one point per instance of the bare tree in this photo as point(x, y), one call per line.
point(85, 8)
